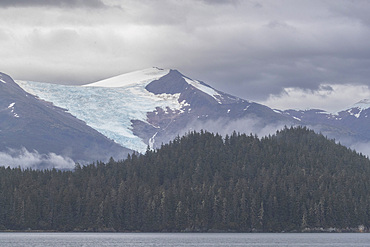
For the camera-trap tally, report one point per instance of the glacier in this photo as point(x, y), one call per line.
point(109, 105)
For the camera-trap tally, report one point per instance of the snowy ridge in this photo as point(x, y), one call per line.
point(142, 77)
point(208, 90)
point(362, 105)
point(356, 109)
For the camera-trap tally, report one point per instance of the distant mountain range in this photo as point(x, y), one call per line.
point(349, 126)
point(146, 108)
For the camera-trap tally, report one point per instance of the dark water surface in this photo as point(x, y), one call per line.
point(184, 239)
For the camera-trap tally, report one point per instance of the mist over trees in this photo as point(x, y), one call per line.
point(291, 181)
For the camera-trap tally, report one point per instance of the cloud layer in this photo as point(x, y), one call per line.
point(328, 97)
point(25, 159)
point(225, 127)
point(252, 49)
point(48, 3)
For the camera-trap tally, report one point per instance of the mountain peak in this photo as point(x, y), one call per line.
point(174, 82)
point(171, 83)
point(365, 103)
point(357, 110)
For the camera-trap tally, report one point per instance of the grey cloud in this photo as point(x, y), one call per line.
point(279, 24)
point(221, 1)
point(291, 60)
point(48, 3)
point(354, 10)
point(327, 88)
point(237, 48)
point(253, 3)
point(256, 79)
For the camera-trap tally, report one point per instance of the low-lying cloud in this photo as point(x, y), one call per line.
point(255, 126)
point(361, 147)
point(225, 127)
point(24, 159)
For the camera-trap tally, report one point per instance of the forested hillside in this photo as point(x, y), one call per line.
point(292, 181)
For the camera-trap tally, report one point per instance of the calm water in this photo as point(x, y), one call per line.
point(184, 239)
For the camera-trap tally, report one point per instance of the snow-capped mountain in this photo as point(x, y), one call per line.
point(359, 110)
point(350, 126)
point(28, 123)
point(152, 106)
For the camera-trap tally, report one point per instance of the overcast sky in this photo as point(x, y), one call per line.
point(283, 53)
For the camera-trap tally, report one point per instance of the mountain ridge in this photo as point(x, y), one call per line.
point(152, 106)
point(145, 108)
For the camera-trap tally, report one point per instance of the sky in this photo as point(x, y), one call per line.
point(281, 53)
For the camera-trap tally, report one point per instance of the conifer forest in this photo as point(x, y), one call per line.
point(293, 180)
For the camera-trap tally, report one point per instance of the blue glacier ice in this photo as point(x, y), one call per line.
point(109, 110)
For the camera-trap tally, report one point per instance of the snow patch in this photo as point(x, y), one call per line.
point(353, 110)
point(152, 141)
point(322, 112)
point(11, 106)
point(3, 81)
point(358, 114)
point(183, 105)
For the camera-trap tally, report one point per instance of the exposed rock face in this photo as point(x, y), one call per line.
point(202, 106)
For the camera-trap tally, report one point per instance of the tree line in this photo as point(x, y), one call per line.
point(295, 180)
